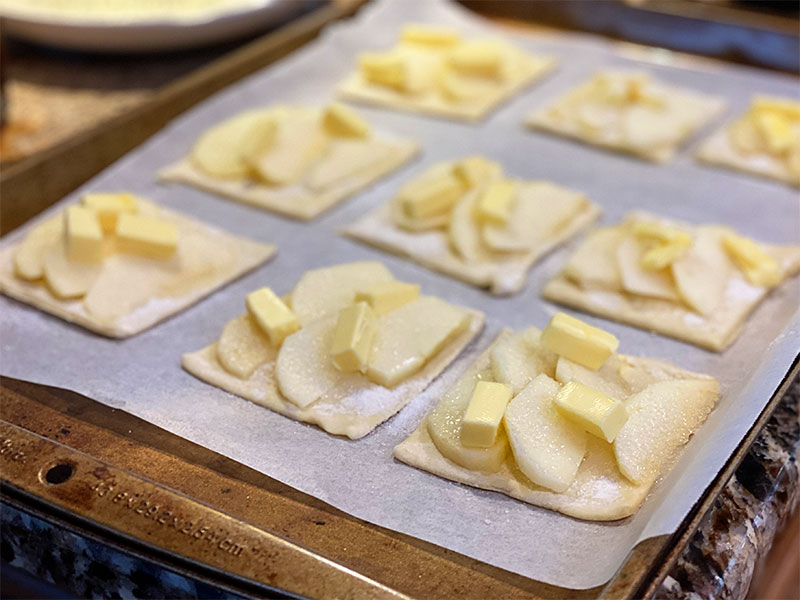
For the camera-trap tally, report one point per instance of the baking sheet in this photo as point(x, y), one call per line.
point(142, 375)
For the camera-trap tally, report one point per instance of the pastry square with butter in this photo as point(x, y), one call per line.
point(295, 161)
point(569, 437)
point(117, 264)
point(346, 349)
point(468, 220)
point(630, 112)
point(433, 70)
point(696, 283)
point(764, 141)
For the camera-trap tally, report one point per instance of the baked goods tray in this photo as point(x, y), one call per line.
point(304, 246)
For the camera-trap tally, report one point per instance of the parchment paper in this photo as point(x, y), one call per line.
point(142, 375)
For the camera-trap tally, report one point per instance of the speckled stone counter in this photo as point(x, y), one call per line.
point(739, 529)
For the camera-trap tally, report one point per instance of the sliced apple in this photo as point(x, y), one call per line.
point(66, 278)
point(702, 274)
point(326, 290)
point(408, 336)
point(243, 347)
point(304, 368)
point(403, 221)
point(519, 359)
point(224, 150)
point(540, 210)
point(29, 257)
point(125, 283)
point(345, 159)
point(444, 427)
point(638, 280)
point(662, 418)
point(594, 262)
point(607, 379)
point(547, 448)
point(463, 232)
point(299, 141)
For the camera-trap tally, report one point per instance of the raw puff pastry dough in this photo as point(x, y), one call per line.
point(598, 493)
point(228, 256)
point(299, 201)
point(691, 111)
point(528, 69)
point(720, 150)
point(673, 319)
point(502, 273)
point(346, 411)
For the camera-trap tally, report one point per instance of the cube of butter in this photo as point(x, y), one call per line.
point(430, 197)
point(273, 316)
point(758, 267)
point(484, 413)
point(579, 342)
point(386, 297)
point(146, 236)
point(789, 108)
point(494, 205)
point(430, 35)
point(352, 339)
point(663, 255)
point(776, 129)
point(109, 206)
point(383, 68)
point(84, 236)
point(649, 230)
point(473, 170)
point(595, 412)
point(481, 58)
point(338, 119)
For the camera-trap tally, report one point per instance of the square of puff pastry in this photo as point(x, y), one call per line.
point(456, 79)
point(296, 166)
point(497, 257)
point(629, 112)
point(130, 293)
point(702, 298)
point(298, 378)
point(598, 490)
point(764, 141)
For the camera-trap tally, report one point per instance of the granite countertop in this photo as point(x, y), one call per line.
point(739, 529)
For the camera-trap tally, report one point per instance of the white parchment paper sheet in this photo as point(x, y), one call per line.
point(142, 375)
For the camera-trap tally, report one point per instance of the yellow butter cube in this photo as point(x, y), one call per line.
point(429, 197)
point(273, 316)
point(494, 205)
point(658, 232)
point(146, 236)
point(788, 108)
point(84, 236)
point(482, 58)
point(776, 129)
point(484, 413)
point(353, 337)
point(663, 255)
point(383, 68)
point(474, 170)
point(386, 297)
point(430, 35)
point(109, 206)
point(595, 412)
point(758, 267)
point(579, 342)
point(341, 120)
